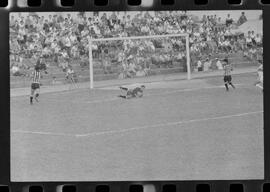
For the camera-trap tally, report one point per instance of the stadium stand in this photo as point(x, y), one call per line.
point(62, 40)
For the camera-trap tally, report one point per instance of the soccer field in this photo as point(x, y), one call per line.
point(179, 130)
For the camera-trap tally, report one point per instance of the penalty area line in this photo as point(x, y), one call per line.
point(42, 133)
point(166, 124)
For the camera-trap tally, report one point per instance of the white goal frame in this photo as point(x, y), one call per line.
point(91, 40)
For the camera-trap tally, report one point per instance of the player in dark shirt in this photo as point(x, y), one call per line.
point(132, 93)
point(227, 75)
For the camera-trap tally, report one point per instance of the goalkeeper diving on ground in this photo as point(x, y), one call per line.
point(128, 93)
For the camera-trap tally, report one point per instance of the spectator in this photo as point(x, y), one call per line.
point(219, 22)
point(252, 35)
point(219, 65)
point(46, 26)
point(70, 20)
point(105, 59)
point(258, 40)
point(15, 70)
point(227, 45)
point(229, 20)
point(80, 23)
point(140, 72)
point(206, 65)
point(199, 65)
point(242, 19)
point(50, 20)
point(131, 70)
point(249, 40)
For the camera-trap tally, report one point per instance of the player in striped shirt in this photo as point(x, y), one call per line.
point(259, 82)
point(227, 75)
point(132, 93)
point(35, 83)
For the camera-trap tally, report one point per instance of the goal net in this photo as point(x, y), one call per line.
point(138, 56)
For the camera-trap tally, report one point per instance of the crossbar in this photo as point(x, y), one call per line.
point(139, 37)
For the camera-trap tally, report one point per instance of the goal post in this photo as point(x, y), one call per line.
point(92, 40)
point(91, 68)
point(188, 57)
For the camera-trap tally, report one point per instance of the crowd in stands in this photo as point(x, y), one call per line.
point(64, 38)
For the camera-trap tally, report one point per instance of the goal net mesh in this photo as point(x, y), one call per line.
point(117, 58)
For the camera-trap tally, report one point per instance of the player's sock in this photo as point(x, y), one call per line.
point(232, 85)
point(31, 100)
point(227, 88)
point(36, 97)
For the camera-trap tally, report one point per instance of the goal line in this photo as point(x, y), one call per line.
point(91, 40)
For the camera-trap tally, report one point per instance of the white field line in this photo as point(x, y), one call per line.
point(42, 133)
point(157, 94)
point(166, 125)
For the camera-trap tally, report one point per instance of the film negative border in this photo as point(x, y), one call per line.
point(117, 5)
point(141, 3)
point(191, 186)
point(121, 5)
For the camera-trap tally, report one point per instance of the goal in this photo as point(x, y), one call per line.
point(139, 42)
